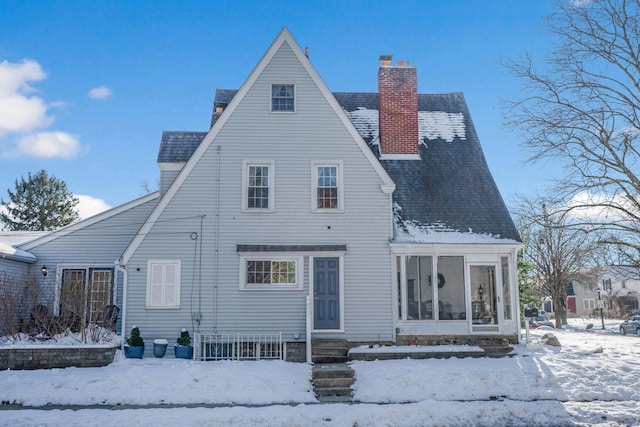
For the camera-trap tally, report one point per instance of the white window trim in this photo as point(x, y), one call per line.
point(245, 184)
point(295, 98)
point(87, 267)
point(270, 256)
point(178, 265)
point(314, 185)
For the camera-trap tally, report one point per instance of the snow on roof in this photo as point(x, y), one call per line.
point(409, 231)
point(431, 124)
point(8, 251)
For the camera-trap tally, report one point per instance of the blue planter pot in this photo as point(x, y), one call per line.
point(183, 351)
point(133, 352)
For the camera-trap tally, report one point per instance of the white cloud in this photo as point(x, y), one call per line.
point(90, 206)
point(22, 114)
point(100, 92)
point(18, 111)
point(48, 145)
point(586, 206)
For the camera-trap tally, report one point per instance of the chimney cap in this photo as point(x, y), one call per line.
point(386, 59)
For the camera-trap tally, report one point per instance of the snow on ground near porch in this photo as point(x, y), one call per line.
point(591, 380)
point(408, 349)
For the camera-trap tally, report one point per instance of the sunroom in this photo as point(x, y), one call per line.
point(456, 290)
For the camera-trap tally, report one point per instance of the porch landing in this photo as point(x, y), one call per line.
point(413, 347)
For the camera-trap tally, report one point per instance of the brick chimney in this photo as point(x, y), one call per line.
point(398, 109)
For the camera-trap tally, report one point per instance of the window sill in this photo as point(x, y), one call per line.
point(267, 288)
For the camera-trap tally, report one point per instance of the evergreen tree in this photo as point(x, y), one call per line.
point(39, 203)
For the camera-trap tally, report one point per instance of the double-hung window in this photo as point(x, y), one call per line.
point(282, 97)
point(270, 272)
point(163, 284)
point(327, 187)
point(257, 188)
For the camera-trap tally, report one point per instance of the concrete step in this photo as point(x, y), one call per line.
point(332, 370)
point(333, 391)
point(332, 382)
point(329, 351)
point(335, 399)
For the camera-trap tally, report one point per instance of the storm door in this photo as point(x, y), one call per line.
point(326, 292)
point(486, 305)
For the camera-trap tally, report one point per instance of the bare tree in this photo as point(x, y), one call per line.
point(555, 253)
point(582, 110)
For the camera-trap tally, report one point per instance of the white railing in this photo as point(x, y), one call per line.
point(238, 346)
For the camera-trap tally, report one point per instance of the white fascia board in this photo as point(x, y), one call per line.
point(206, 142)
point(89, 221)
point(457, 248)
point(171, 166)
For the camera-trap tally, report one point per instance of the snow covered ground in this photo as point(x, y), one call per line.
point(592, 380)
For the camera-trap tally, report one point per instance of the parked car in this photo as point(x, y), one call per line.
point(538, 321)
point(630, 326)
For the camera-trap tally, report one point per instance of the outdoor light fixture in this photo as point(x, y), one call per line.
point(44, 270)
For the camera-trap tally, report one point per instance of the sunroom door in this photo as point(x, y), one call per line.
point(486, 298)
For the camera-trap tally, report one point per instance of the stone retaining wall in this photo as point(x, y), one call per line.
point(33, 357)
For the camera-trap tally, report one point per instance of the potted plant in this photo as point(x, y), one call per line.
point(183, 350)
point(134, 348)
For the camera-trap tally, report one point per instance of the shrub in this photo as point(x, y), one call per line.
point(135, 340)
point(184, 338)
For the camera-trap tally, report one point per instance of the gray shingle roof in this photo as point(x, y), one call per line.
point(450, 186)
point(178, 146)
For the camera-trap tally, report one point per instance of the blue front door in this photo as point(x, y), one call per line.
point(326, 293)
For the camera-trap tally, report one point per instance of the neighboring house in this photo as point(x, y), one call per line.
point(581, 298)
point(620, 288)
point(364, 217)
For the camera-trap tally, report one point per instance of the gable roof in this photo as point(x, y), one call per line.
point(177, 147)
point(449, 194)
point(284, 37)
point(76, 226)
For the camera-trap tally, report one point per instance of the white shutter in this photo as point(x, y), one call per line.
point(163, 284)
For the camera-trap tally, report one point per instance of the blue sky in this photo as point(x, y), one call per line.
point(86, 88)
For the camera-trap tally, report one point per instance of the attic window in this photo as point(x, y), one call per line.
point(282, 98)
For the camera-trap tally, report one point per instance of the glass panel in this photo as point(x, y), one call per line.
point(271, 272)
point(327, 187)
point(100, 294)
point(418, 288)
point(72, 295)
point(282, 98)
point(506, 288)
point(483, 291)
point(399, 283)
point(258, 187)
point(451, 289)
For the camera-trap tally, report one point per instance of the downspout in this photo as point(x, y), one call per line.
point(216, 238)
point(124, 303)
point(308, 337)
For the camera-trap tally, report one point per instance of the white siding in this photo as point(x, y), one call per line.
point(98, 244)
point(210, 284)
